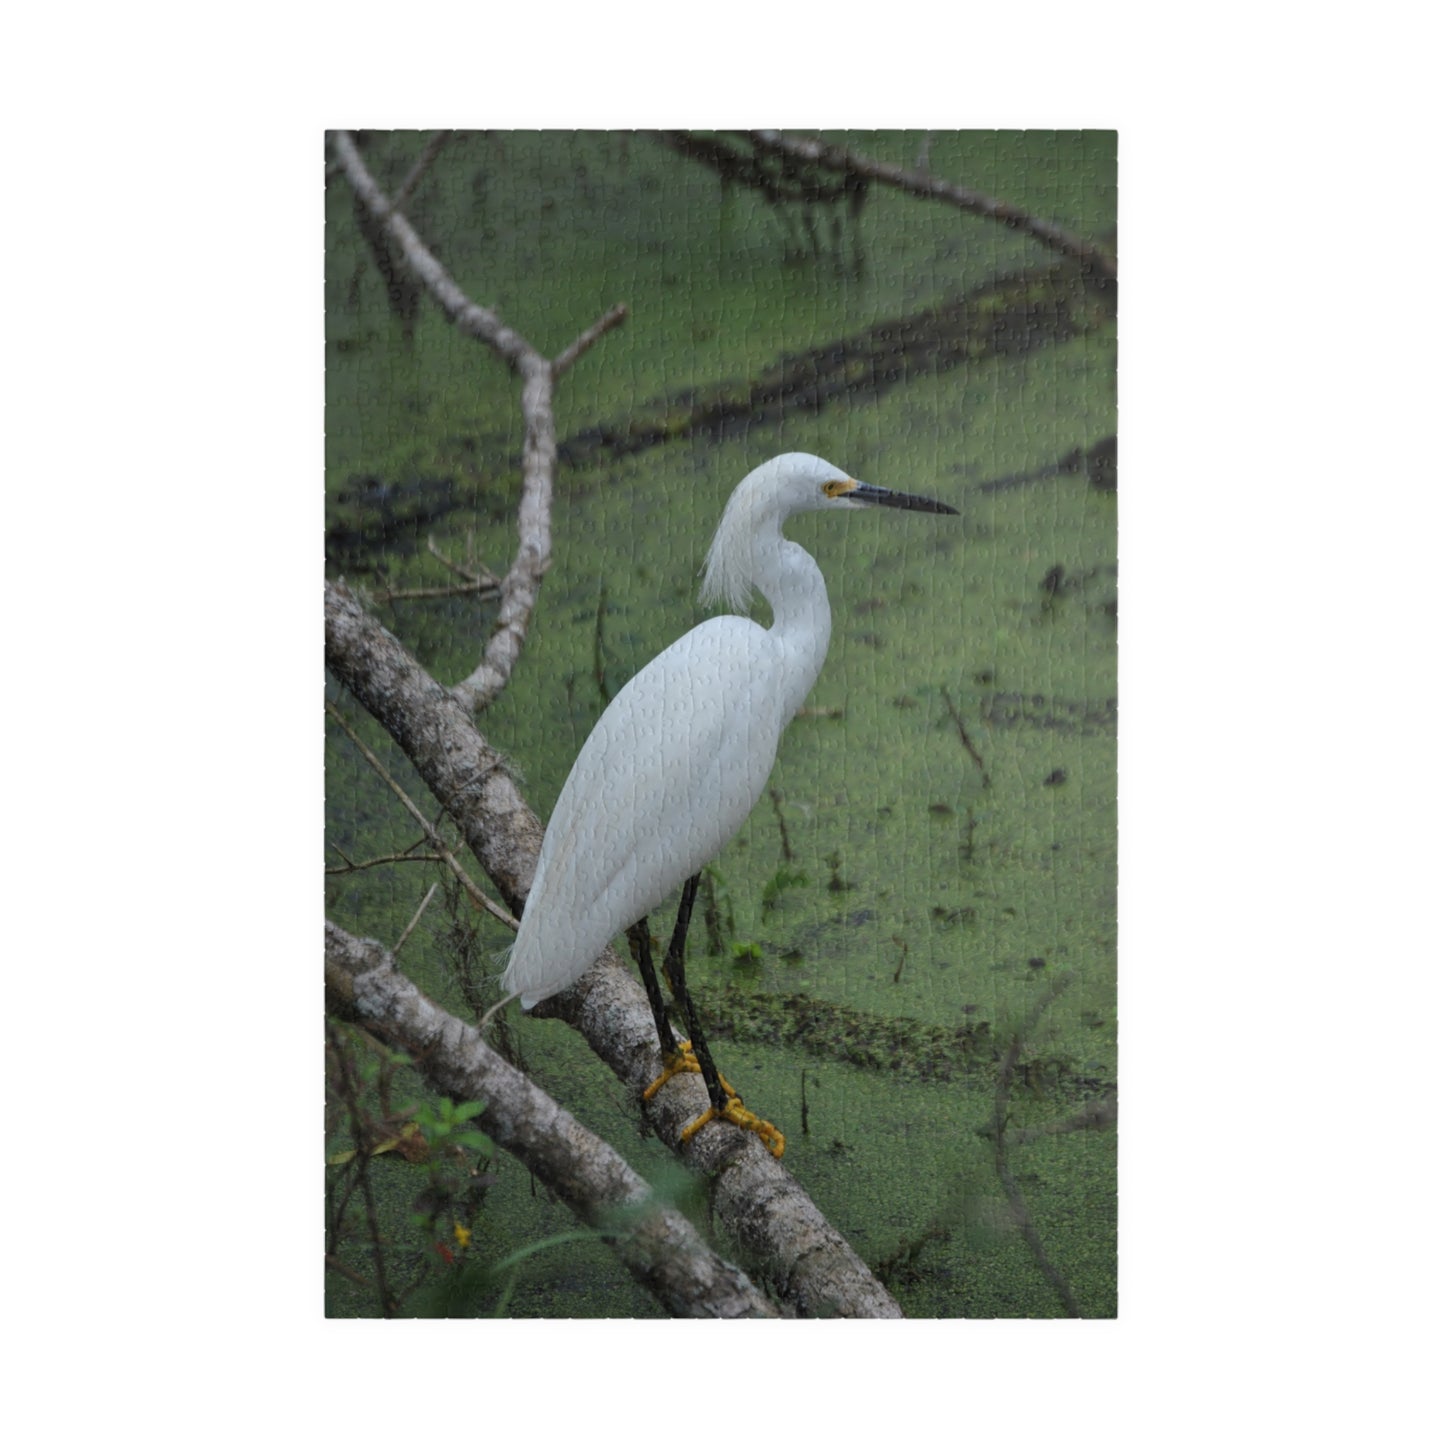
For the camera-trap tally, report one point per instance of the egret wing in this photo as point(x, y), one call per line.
point(668, 775)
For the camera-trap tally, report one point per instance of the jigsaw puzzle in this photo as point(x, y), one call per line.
point(721, 583)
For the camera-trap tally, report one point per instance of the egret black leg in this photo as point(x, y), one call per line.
point(642, 944)
point(693, 1056)
point(674, 970)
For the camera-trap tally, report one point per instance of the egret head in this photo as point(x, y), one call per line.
point(767, 497)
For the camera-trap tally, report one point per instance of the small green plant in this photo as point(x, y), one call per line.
point(375, 1141)
point(457, 1178)
point(444, 1125)
point(779, 883)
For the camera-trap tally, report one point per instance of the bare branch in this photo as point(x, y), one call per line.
point(459, 308)
point(523, 581)
point(383, 859)
point(415, 918)
point(754, 1197)
point(594, 333)
point(932, 188)
point(659, 1247)
point(423, 164)
point(482, 578)
point(412, 594)
point(483, 583)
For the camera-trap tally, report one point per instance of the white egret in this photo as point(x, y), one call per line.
point(683, 752)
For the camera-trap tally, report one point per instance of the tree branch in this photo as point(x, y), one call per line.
point(523, 581)
point(423, 163)
point(934, 189)
point(781, 1231)
point(483, 578)
point(594, 333)
point(661, 1250)
point(414, 594)
point(456, 305)
point(380, 862)
point(415, 919)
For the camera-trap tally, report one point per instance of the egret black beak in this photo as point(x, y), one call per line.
point(882, 497)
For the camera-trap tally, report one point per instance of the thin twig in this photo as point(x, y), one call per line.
point(415, 918)
point(433, 837)
point(963, 737)
point(345, 1269)
point(407, 857)
point(902, 957)
point(776, 798)
point(599, 670)
point(411, 594)
point(593, 334)
point(423, 163)
point(482, 578)
point(484, 584)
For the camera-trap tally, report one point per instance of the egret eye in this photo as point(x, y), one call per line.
point(838, 489)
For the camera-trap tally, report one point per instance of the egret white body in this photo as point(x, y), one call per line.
point(683, 752)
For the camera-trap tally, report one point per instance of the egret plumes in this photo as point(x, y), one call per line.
point(683, 752)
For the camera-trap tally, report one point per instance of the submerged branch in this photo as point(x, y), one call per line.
point(1096, 1114)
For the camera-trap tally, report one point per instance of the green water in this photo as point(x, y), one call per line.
point(931, 894)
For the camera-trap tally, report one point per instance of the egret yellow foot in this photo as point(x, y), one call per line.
point(683, 1061)
point(735, 1112)
point(680, 1062)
